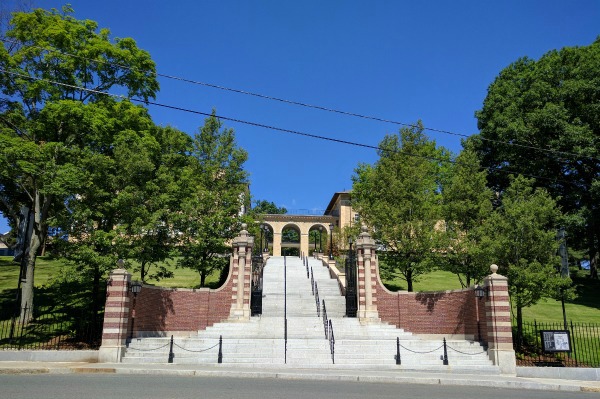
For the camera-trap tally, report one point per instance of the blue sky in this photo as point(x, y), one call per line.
point(398, 60)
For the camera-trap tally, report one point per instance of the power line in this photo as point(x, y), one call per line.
point(313, 106)
point(269, 127)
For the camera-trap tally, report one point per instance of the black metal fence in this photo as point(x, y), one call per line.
point(585, 345)
point(51, 328)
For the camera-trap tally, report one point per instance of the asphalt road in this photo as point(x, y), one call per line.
point(103, 386)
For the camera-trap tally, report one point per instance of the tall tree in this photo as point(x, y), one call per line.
point(467, 205)
point(542, 118)
point(521, 237)
point(264, 207)
point(114, 190)
point(39, 141)
point(214, 185)
point(399, 198)
point(150, 197)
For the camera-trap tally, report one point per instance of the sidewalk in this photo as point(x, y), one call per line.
point(399, 376)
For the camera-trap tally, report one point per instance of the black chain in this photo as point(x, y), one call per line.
point(410, 350)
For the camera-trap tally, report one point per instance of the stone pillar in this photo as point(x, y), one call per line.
point(499, 329)
point(242, 274)
point(304, 243)
point(116, 317)
point(367, 278)
point(276, 243)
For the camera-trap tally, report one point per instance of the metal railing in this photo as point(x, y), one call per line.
point(306, 263)
point(51, 328)
point(585, 345)
point(331, 339)
point(325, 319)
point(317, 301)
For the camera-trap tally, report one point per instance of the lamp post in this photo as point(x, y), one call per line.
point(135, 288)
point(330, 241)
point(260, 245)
point(320, 238)
point(266, 238)
point(479, 293)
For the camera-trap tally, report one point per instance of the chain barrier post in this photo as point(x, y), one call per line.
point(445, 357)
point(171, 354)
point(398, 361)
point(220, 356)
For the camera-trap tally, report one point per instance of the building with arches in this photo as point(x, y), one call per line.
point(339, 213)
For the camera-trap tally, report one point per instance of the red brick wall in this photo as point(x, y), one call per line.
point(442, 312)
point(175, 309)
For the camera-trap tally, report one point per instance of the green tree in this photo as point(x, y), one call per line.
point(38, 171)
point(399, 198)
point(213, 188)
point(114, 193)
point(264, 207)
point(521, 236)
point(548, 111)
point(150, 196)
point(467, 205)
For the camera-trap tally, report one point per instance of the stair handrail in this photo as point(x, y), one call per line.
point(306, 263)
point(331, 342)
point(317, 301)
point(325, 320)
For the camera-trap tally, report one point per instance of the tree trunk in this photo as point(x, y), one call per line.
point(593, 252)
point(143, 271)
point(409, 280)
point(519, 326)
point(95, 298)
point(202, 278)
point(30, 254)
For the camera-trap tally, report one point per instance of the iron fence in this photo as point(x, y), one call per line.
point(585, 345)
point(51, 329)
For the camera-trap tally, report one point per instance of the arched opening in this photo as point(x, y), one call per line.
point(317, 239)
point(290, 240)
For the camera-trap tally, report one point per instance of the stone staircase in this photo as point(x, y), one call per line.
point(260, 341)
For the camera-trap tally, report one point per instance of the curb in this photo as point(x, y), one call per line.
point(303, 374)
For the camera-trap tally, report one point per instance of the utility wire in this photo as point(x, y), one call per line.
point(269, 127)
point(318, 107)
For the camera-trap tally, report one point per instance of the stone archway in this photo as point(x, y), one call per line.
point(290, 240)
point(303, 223)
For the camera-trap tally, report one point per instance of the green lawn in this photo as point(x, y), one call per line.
point(585, 308)
point(46, 267)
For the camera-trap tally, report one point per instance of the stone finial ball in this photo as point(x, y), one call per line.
point(120, 263)
point(244, 226)
point(494, 268)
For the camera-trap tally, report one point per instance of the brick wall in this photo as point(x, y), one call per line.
point(160, 310)
point(442, 312)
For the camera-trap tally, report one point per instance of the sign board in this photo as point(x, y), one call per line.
point(556, 340)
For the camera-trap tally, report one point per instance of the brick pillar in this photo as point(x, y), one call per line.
point(367, 278)
point(241, 273)
point(499, 329)
point(116, 317)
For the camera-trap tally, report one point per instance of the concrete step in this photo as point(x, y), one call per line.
point(260, 341)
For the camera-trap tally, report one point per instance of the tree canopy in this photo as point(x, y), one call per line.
point(214, 189)
point(521, 238)
point(264, 207)
point(54, 125)
point(542, 119)
point(400, 199)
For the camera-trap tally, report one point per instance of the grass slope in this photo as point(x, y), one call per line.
point(585, 308)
